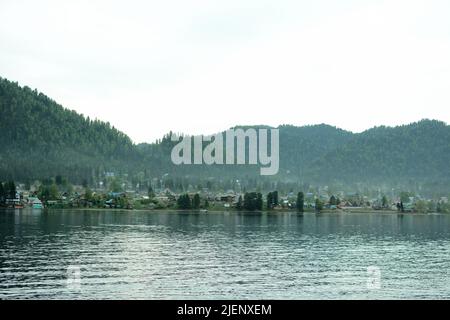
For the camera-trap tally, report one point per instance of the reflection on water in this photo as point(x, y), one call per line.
point(147, 255)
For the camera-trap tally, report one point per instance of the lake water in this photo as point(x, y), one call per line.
point(148, 255)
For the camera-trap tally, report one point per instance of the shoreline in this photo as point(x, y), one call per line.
point(221, 211)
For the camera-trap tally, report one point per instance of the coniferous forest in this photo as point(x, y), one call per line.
point(40, 139)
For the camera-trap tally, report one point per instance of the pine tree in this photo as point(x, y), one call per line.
point(259, 202)
point(11, 190)
point(275, 198)
point(239, 204)
point(333, 200)
point(269, 200)
point(184, 202)
point(247, 202)
point(196, 201)
point(151, 194)
point(300, 202)
point(384, 202)
point(2, 194)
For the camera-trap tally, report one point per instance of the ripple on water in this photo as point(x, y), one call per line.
point(225, 256)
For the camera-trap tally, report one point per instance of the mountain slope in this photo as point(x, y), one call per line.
point(39, 138)
point(418, 152)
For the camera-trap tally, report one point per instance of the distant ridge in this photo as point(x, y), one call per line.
point(40, 139)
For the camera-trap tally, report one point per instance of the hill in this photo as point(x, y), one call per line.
point(39, 139)
point(414, 154)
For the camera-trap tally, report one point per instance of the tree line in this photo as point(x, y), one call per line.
point(7, 191)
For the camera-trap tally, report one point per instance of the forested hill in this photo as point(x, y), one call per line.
point(39, 138)
point(418, 153)
point(300, 147)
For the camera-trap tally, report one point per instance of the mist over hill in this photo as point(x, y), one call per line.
point(41, 139)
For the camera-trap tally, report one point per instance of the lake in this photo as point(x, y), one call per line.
point(184, 255)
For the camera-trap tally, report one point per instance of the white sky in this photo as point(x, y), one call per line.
point(202, 66)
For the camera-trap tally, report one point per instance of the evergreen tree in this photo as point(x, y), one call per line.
point(2, 194)
point(115, 186)
point(384, 202)
point(275, 198)
point(333, 200)
point(319, 205)
point(269, 200)
point(150, 193)
point(184, 202)
point(300, 202)
point(196, 201)
point(59, 180)
point(85, 183)
point(259, 202)
point(11, 190)
point(88, 194)
point(239, 204)
point(253, 201)
point(247, 201)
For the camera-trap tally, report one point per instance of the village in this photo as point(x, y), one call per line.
point(124, 196)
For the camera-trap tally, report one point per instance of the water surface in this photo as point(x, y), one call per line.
point(173, 255)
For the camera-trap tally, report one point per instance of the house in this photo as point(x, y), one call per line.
point(14, 202)
point(226, 198)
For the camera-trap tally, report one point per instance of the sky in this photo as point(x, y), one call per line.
point(203, 66)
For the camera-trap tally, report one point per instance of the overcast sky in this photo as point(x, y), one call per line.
point(202, 66)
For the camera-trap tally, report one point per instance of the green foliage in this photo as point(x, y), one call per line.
point(252, 201)
point(11, 189)
point(275, 198)
point(7, 191)
point(48, 192)
point(404, 196)
point(443, 207)
point(115, 186)
point(333, 201)
point(272, 199)
point(2, 194)
point(196, 201)
point(259, 201)
point(384, 202)
point(300, 202)
point(319, 205)
point(39, 138)
point(122, 202)
point(151, 193)
point(421, 206)
point(269, 200)
point(88, 194)
point(184, 202)
point(406, 155)
point(239, 205)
